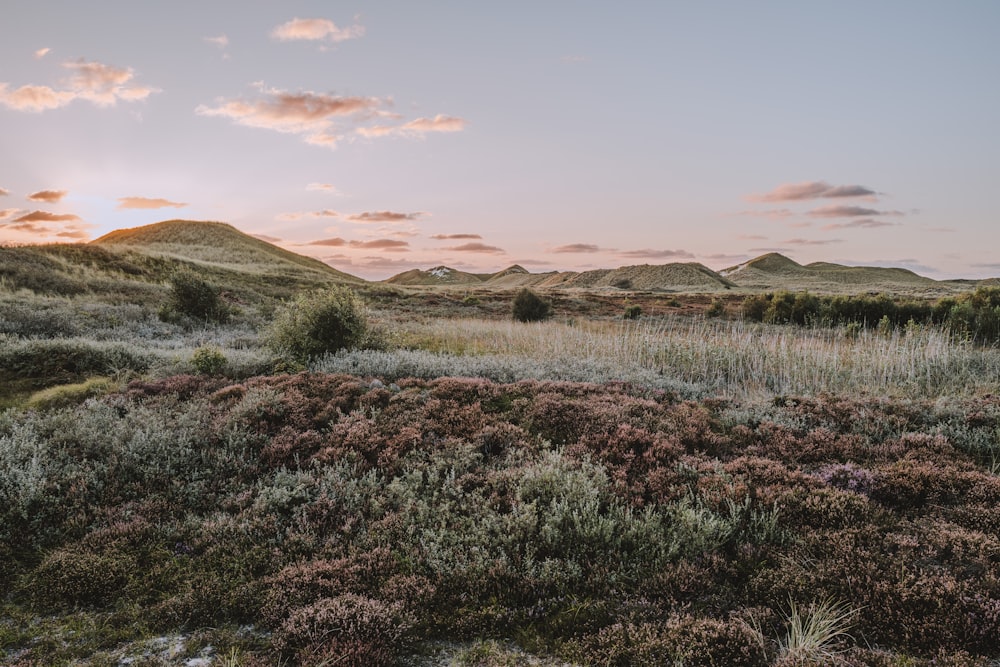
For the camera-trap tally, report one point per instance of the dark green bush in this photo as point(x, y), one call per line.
point(529, 307)
point(632, 312)
point(192, 297)
point(208, 360)
point(318, 322)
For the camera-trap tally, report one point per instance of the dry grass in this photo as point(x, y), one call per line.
point(735, 358)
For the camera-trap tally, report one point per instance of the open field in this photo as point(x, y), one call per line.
point(678, 489)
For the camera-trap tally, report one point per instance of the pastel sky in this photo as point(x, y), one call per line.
point(384, 136)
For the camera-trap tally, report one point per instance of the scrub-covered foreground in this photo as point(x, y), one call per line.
point(331, 519)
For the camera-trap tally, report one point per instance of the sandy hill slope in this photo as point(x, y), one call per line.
point(676, 277)
point(439, 275)
point(776, 272)
point(217, 244)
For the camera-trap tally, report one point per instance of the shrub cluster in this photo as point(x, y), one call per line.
point(194, 298)
point(318, 322)
point(344, 516)
point(975, 315)
point(529, 307)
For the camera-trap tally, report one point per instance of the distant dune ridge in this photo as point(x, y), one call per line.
point(218, 246)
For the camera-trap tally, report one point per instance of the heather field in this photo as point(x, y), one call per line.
point(463, 489)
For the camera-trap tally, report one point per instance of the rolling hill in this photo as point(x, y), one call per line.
point(219, 245)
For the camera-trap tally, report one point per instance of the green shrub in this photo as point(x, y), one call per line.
point(529, 307)
point(632, 312)
point(192, 297)
point(717, 308)
point(318, 322)
point(208, 360)
point(70, 394)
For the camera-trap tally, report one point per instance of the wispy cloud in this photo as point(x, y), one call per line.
point(309, 114)
point(836, 211)
point(812, 241)
point(860, 223)
point(418, 127)
point(299, 215)
point(265, 237)
point(4, 193)
point(385, 216)
point(455, 237)
point(573, 248)
point(315, 30)
point(388, 245)
point(6, 213)
point(48, 196)
point(811, 190)
point(477, 247)
point(323, 187)
point(148, 202)
point(752, 237)
point(41, 53)
point(45, 216)
point(221, 41)
point(100, 84)
point(647, 253)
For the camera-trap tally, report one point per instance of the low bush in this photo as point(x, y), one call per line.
point(316, 323)
point(529, 307)
point(192, 297)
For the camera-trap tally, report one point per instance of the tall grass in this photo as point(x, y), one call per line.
point(737, 358)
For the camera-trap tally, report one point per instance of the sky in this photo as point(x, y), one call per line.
point(555, 134)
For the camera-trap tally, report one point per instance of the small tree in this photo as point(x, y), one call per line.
point(190, 296)
point(318, 322)
point(529, 307)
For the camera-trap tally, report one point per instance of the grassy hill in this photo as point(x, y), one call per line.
point(135, 265)
point(774, 271)
point(216, 244)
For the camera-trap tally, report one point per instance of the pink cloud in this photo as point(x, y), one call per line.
point(417, 127)
point(811, 190)
point(315, 30)
point(4, 193)
point(455, 237)
point(389, 245)
point(45, 216)
point(48, 196)
point(148, 203)
point(384, 216)
point(774, 213)
point(8, 213)
point(812, 241)
point(647, 253)
point(861, 223)
point(265, 237)
point(41, 53)
point(311, 115)
point(835, 211)
point(578, 248)
point(100, 84)
point(222, 41)
point(298, 215)
point(477, 247)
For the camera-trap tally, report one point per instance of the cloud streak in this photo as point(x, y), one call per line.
point(315, 30)
point(787, 192)
point(647, 253)
point(384, 216)
point(98, 83)
point(147, 203)
point(861, 223)
point(574, 248)
point(45, 216)
point(836, 211)
point(309, 114)
point(388, 245)
point(47, 196)
point(477, 248)
point(418, 127)
point(455, 237)
point(812, 241)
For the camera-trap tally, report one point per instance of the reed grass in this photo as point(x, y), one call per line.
point(735, 357)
